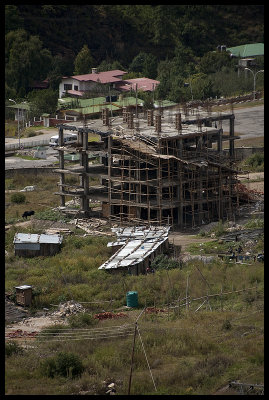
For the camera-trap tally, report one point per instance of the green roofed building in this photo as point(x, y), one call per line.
point(95, 105)
point(247, 50)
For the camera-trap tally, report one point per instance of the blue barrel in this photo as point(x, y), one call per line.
point(132, 299)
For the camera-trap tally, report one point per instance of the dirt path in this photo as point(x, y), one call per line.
point(24, 223)
point(184, 240)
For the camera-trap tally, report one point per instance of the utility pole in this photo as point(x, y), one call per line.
point(136, 100)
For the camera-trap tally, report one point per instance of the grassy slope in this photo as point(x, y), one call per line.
point(190, 353)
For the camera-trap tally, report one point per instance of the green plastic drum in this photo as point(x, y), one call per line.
point(132, 299)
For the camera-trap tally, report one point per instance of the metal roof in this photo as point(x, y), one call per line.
point(138, 243)
point(36, 238)
point(23, 287)
point(247, 50)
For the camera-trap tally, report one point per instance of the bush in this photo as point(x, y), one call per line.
point(226, 325)
point(18, 198)
point(81, 320)
point(12, 348)
point(32, 134)
point(164, 262)
point(51, 215)
point(255, 162)
point(63, 364)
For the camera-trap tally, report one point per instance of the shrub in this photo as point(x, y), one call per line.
point(31, 134)
point(255, 162)
point(63, 364)
point(81, 320)
point(51, 215)
point(12, 348)
point(164, 262)
point(226, 325)
point(18, 198)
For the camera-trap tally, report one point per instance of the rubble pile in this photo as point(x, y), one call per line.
point(18, 333)
point(91, 225)
point(109, 315)
point(58, 231)
point(68, 308)
point(246, 194)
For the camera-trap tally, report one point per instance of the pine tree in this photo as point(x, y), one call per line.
point(83, 62)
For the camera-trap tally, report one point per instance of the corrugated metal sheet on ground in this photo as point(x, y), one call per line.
point(140, 242)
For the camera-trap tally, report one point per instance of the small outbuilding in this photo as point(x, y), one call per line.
point(33, 245)
point(24, 295)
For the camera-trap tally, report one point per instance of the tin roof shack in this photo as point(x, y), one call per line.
point(24, 295)
point(139, 246)
point(33, 245)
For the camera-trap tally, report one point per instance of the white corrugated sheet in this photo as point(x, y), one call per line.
point(20, 238)
point(139, 241)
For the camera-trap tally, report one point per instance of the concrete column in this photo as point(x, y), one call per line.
point(220, 140)
point(231, 148)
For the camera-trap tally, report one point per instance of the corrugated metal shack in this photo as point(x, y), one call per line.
point(138, 246)
point(32, 244)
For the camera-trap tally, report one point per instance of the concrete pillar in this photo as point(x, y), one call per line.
point(231, 148)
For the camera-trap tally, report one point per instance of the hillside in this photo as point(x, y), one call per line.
point(108, 30)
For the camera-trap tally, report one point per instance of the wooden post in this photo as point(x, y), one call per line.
point(132, 361)
point(221, 304)
point(187, 287)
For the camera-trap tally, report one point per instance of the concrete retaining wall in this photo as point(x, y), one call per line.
point(30, 143)
point(244, 152)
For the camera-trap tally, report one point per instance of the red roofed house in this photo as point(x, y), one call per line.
point(144, 84)
point(79, 84)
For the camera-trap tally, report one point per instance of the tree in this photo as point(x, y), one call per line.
point(107, 65)
point(26, 60)
point(202, 86)
point(144, 63)
point(43, 101)
point(214, 61)
point(83, 61)
point(13, 20)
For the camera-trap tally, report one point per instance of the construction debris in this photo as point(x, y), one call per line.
point(154, 310)
point(246, 194)
point(68, 308)
point(58, 231)
point(19, 333)
point(91, 225)
point(109, 315)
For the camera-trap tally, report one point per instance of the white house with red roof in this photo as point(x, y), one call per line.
point(78, 84)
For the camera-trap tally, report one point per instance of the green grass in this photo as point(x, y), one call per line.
point(190, 353)
point(254, 163)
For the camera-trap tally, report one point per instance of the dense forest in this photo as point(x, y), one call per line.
point(173, 44)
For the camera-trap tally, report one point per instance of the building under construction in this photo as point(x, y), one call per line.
point(159, 167)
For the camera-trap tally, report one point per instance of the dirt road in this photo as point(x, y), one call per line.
point(183, 240)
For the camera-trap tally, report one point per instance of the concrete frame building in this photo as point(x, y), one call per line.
point(159, 168)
